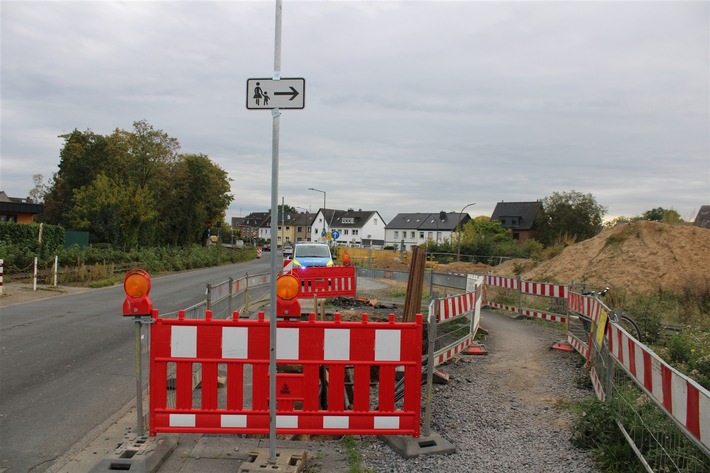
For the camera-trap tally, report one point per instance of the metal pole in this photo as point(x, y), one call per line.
point(275, 113)
point(56, 266)
point(433, 310)
point(458, 251)
point(139, 381)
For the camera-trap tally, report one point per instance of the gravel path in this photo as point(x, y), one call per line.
point(508, 411)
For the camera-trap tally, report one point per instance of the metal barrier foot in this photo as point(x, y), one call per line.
point(562, 346)
point(410, 447)
point(286, 461)
point(138, 454)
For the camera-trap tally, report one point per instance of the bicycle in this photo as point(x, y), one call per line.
point(618, 316)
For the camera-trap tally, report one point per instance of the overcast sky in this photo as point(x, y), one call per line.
point(409, 106)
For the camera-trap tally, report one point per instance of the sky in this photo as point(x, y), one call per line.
point(415, 106)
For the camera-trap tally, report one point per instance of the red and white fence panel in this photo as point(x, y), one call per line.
point(681, 397)
point(454, 308)
point(332, 281)
point(241, 348)
point(587, 306)
point(557, 291)
point(544, 289)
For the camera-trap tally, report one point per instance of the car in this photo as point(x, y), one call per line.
point(288, 251)
point(266, 248)
point(311, 254)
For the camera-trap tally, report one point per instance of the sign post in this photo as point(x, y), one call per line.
point(274, 94)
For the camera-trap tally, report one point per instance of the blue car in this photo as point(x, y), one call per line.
point(311, 254)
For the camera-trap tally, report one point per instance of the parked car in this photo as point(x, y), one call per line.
point(288, 251)
point(266, 248)
point(312, 254)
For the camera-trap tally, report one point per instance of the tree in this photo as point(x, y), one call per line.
point(659, 214)
point(113, 211)
point(570, 215)
point(197, 198)
point(39, 190)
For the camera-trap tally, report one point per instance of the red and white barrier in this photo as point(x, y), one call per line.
point(544, 315)
point(587, 306)
point(2, 269)
point(501, 281)
point(450, 308)
point(238, 344)
point(330, 281)
point(680, 396)
point(544, 289)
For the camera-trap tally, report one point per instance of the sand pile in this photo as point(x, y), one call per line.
point(641, 257)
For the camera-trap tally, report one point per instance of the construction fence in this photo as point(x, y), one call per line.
point(623, 371)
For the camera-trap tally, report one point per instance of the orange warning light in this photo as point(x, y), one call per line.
point(136, 285)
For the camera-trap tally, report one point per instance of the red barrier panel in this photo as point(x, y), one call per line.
point(238, 350)
point(329, 281)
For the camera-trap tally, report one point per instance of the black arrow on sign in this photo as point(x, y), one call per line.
point(293, 93)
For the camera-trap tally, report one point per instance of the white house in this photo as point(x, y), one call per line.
point(354, 228)
point(414, 229)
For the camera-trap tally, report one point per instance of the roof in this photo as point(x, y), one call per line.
point(439, 221)
point(19, 205)
point(524, 212)
point(703, 217)
point(351, 218)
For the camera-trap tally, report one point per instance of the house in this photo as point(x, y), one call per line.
point(415, 229)
point(519, 217)
point(302, 224)
point(703, 217)
point(249, 226)
point(19, 210)
point(285, 228)
point(352, 227)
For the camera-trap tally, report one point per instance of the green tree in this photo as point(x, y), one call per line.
point(570, 215)
point(113, 212)
point(81, 159)
point(659, 214)
point(197, 198)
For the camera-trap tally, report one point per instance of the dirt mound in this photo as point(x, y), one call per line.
point(641, 257)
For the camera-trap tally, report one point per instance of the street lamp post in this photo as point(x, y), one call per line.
point(458, 251)
point(323, 192)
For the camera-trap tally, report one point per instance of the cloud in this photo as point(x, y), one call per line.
point(410, 106)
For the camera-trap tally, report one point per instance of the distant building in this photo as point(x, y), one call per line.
point(414, 229)
point(355, 228)
point(519, 217)
point(703, 217)
point(19, 210)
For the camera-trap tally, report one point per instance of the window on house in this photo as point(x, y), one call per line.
point(315, 231)
point(299, 229)
point(412, 234)
point(396, 234)
point(345, 232)
point(375, 221)
point(421, 235)
point(430, 235)
point(516, 236)
point(355, 232)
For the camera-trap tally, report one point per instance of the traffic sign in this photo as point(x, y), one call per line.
point(268, 93)
point(335, 234)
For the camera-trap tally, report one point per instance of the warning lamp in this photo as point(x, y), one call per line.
point(287, 288)
point(346, 259)
point(136, 285)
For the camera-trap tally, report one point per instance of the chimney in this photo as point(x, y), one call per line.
point(442, 215)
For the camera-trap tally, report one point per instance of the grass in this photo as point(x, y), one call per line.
point(352, 446)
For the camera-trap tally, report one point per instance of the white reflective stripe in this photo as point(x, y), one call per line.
point(679, 397)
point(336, 422)
point(183, 342)
point(704, 406)
point(386, 422)
point(336, 344)
point(235, 342)
point(387, 345)
point(182, 420)
point(657, 379)
point(233, 420)
point(287, 422)
point(287, 343)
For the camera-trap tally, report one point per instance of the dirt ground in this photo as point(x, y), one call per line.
point(640, 257)
point(17, 293)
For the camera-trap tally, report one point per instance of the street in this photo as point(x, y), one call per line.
point(68, 363)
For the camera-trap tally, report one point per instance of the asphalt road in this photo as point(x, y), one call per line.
point(67, 364)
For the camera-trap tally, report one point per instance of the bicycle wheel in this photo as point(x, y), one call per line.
point(631, 326)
